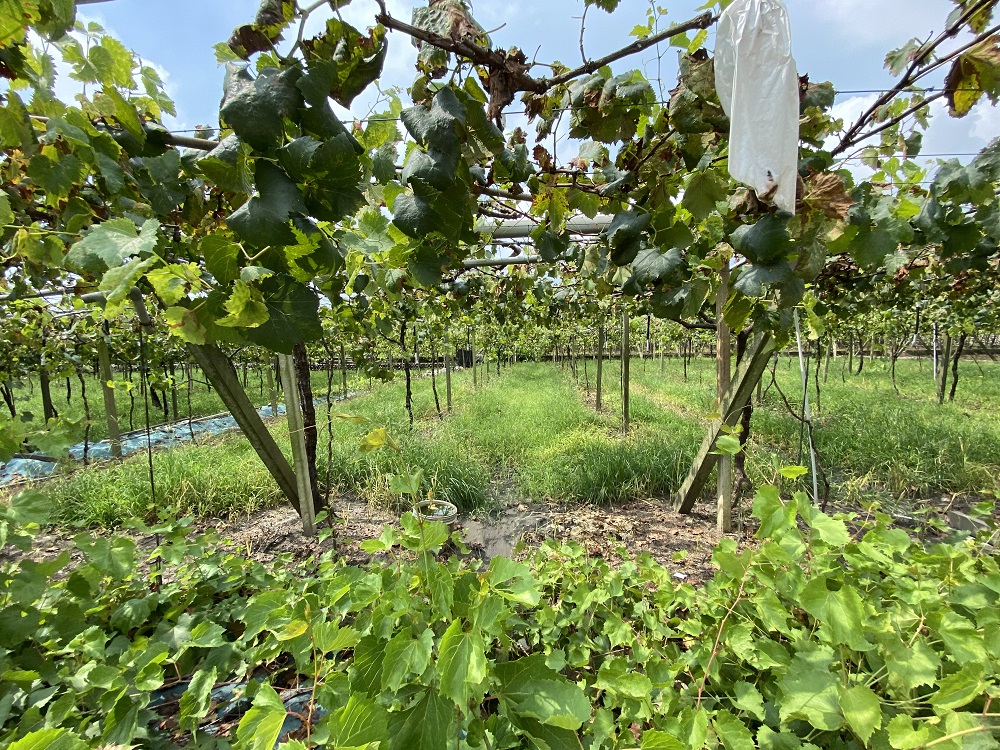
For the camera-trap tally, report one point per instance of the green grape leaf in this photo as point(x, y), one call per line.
point(197, 698)
point(159, 181)
point(57, 175)
point(624, 235)
point(733, 732)
point(959, 689)
point(808, 691)
point(605, 5)
point(616, 677)
point(766, 242)
point(421, 536)
point(531, 690)
point(29, 506)
point(111, 243)
point(654, 739)
point(261, 725)
point(840, 608)
point(871, 246)
point(406, 655)
point(118, 282)
point(228, 165)
point(903, 736)
point(264, 219)
point(727, 445)
point(384, 163)
point(439, 125)
point(122, 722)
point(330, 171)
point(747, 697)
point(6, 214)
point(461, 664)
point(257, 108)
point(114, 558)
point(221, 257)
point(433, 168)
point(448, 213)
point(113, 62)
point(513, 581)
point(703, 191)
point(361, 723)
point(49, 739)
point(114, 105)
point(427, 725)
point(755, 281)
point(293, 315)
point(652, 266)
point(862, 710)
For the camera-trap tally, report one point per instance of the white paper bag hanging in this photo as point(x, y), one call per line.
point(758, 86)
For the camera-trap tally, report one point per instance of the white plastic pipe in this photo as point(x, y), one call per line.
point(806, 411)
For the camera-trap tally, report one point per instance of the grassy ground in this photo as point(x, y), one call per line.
point(532, 433)
point(873, 442)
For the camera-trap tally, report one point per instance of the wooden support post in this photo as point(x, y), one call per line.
point(110, 407)
point(942, 368)
point(271, 390)
point(600, 366)
point(297, 435)
point(626, 361)
point(739, 392)
point(343, 370)
point(723, 372)
point(472, 349)
point(447, 369)
point(215, 365)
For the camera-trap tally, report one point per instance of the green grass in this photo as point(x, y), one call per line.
point(873, 442)
point(220, 477)
point(531, 433)
point(131, 402)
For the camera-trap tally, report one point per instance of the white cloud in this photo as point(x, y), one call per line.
point(863, 22)
point(848, 110)
point(985, 122)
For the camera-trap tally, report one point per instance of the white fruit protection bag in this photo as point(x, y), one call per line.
point(758, 86)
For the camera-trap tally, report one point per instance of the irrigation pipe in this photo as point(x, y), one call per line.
point(807, 415)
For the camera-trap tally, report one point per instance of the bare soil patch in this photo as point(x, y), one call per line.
point(683, 544)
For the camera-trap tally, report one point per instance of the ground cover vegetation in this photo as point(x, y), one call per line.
point(532, 434)
point(289, 233)
point(879, 641)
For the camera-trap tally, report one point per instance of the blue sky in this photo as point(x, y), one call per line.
point(843, 41)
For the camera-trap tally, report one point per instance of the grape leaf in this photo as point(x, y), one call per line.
point(256, 109)
point(111, 243)
point(427, 725)
point(260, 727)
point(532, 690)
point(461, 663)
point(264, 219)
